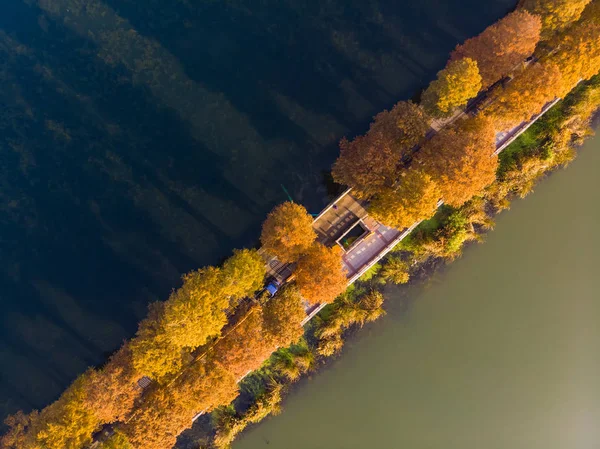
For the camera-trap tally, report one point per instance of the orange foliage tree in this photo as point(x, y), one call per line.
point(413, 199)
point(168, 411)
point(287, 232)
point(502, 45)
point(245, 347)
point(370, 162)
point(525, 95)
point(577, 53)
point(319, 274)
point(460, 159)
point(112, 391)
point(556, 15)
point(282, 316)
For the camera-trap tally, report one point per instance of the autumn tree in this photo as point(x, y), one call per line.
point(67, 423)
point(167, 411)
point(283, 316)
point(243, 273)
point(244, 348)
point(287, 232)
point(525, 95)
point(112, 391)
point(395, 270)
point(152, 352)
point(319, 274)
point(556, 15)
point(414, 198)
point(502, 46)
point(454, 87)
point(460, 159)
point(370, 162)
point(577, 53)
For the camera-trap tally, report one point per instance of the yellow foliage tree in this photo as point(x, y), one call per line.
point(320, 275)
point(282, 316)
point(525, 95)
point(455, 86)
point(287, 232)
point(152, 352)
point(556, 15)
point(502, 45)
point(369, 163)
point(460, 159)
point(243, 273)
point(68, 423)
point(196, 311)
point(414, 198)
point(577, 53)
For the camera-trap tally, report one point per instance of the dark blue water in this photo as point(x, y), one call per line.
point(143, 138)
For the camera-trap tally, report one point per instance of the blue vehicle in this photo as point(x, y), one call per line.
point(273, 287)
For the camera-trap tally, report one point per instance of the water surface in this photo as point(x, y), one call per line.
point(501, 350)
point(143, 138)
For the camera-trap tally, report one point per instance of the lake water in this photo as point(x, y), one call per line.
point(143, 138)
point(500, 350)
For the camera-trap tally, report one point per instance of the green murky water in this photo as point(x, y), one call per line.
point(499, 351)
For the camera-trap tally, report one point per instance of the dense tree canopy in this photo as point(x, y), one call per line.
point(460, 159)
point(319, 274)
point(282, 316)
point(370, 162)
point(577, 53)
point(152, 352)
point(525, 95)
point(67, 423)
point(245, 348)
point(287, 232)
point(112, 391)
point(243, 273)
point(556, 15)
point(196, 311)
point(454, 87)
point(168, 411)
point(414, 198)
point(502, 46)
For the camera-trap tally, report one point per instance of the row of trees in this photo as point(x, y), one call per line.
point(192, 320)
point(404, 173)
point(383, 166)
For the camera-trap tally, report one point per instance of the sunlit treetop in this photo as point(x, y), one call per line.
point(502, 46)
